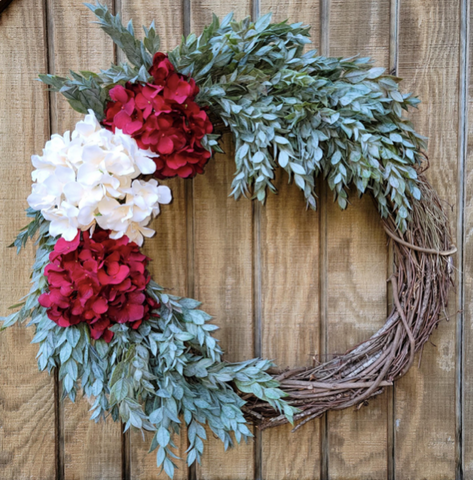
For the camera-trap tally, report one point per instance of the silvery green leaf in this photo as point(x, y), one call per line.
point(151, 41)
point(395, 95)
point(65, 352)
point(72, 335)
point(189, 303)
point(263, 22)
point(283, 159)
point(163, 436)
point(296, 168)
point(375, 72)
point(169, 468)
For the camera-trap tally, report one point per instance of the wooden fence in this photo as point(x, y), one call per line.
point(282, 282)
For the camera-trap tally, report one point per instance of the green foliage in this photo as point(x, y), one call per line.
point(83, 91)
point(167, 373)
point(124, 38)
point(305, 113)
point(29, 304)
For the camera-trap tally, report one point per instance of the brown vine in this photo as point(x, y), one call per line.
point(420, 283)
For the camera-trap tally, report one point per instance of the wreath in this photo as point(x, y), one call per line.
point(148, 358)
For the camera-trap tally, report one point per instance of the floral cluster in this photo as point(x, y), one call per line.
point(163, 117)
point(99, 281)
point(89, 177)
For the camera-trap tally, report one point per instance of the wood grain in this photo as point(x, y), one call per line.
point(290, 300)
point(27, 407)
point(223, 263)
point(467, 374)
point(290, 291)
point(223, 282)
point(168, 249)
point(90, 450)
point(356, 308)
point(167, 16)
point(425, 399)
point(357, 260)
point(201, 11)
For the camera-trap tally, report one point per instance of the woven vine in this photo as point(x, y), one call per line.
point(421, 281)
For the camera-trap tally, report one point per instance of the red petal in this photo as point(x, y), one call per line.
point(165, 145)
point(122, 119)
point(63, 246)
point(100, 306)
point(119, 94)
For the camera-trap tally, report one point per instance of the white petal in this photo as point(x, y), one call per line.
point(93, 154)
point(73, 192)
point(89, 174)
point(164, 194)
point(65, 174)
point(86, 217)
point(145, 164)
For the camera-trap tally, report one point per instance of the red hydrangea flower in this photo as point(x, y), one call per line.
point(162, 116)
point(99, 281)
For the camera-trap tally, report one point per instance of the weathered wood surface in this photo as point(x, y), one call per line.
point(424, 403)
point(27, 402)
point(357, 441)
point(290, 310)
point(85, 449)
point(282, 282)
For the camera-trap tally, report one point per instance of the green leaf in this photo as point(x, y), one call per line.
point(163, 436)
point(263, 22)
point(296, 168)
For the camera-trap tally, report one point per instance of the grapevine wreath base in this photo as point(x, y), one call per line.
point(147, 357)
point(420, 282)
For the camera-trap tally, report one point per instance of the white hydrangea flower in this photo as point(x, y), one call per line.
point(89, 177)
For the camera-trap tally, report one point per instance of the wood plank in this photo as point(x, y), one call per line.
point(425, 398)
point(223, 282)
point(357, 260)
point(201, 12)
point(168, 248)
point(290, 300)
point(357, 272)
point(223, 264)
point(27, 404)
point(167, 16)
point(90, 450)
point(290, 266)
point(467, 384)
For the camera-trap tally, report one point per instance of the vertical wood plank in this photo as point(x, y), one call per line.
point(357, 272)
point(290, 290)
point(224, 263)
point(223, 282)
point(424, 399)
point(466, 456)
point(168, 248)
point(27, 406)
point(90, 450)
point(357, 266)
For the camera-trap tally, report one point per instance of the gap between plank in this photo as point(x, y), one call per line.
point(257, 292)
point(116, 6)
point(52, 126)
point(258, 320)
point(391, 394)
point(323, 339)
point(461, 187)
point(189, 202)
